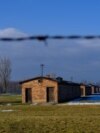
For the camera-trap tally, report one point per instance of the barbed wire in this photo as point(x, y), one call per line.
point(46, 37)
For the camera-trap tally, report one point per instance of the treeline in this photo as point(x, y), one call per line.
point(12, 88)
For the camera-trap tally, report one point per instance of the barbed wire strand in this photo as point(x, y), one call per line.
point(45, 38)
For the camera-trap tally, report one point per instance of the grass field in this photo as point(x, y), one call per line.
point(47, 119)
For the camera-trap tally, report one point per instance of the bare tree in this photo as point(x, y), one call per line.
point(5, 73)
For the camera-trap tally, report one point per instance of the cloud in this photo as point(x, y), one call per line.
point(94, 43)
point(77, 58)
point(11, 32)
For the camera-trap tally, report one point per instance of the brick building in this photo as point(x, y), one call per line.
point(45, 89)
point(87, 89)
point(96, 89)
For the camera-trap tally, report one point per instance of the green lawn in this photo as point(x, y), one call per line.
point(48, 119)
point(7, 98)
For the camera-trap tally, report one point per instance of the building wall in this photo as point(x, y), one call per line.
point(39, 90)
point(99, 89)
point(68, 92)
point(92, 89)
point(88, 90)
point(83, 90)
point(96, 89)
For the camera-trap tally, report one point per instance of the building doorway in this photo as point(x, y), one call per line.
point(50, 94)
point(28, 95)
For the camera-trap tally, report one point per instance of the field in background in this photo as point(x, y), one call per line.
point(17, 118)
point(10, 99)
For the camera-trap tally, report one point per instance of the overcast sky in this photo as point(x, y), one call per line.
point(79, 59)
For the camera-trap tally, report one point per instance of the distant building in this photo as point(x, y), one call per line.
point(46, 89)
point(56, 90)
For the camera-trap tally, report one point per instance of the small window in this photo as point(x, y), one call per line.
point(40, 81)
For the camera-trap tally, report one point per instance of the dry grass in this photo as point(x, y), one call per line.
point(50, 119)
point(7, 98)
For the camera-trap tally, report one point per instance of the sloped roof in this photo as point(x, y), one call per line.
point(68, 83)
point(62, 82)
point(27, 80)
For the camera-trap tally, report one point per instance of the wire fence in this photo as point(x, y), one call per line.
point(46, 37)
